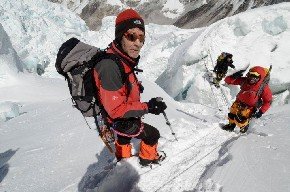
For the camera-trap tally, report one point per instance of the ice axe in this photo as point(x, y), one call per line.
point(159, 99)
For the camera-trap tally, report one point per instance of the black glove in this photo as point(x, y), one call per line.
point(156, 106)
point(238, 74)
point(258, 114)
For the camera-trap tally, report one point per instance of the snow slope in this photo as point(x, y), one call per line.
point(256, 162)
point(50, 148)
point(45, 144)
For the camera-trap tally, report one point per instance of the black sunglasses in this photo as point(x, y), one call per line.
point(133, 37)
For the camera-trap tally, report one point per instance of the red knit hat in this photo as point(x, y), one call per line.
point(126, 20)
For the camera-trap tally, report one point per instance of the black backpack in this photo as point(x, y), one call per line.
point(76, 61)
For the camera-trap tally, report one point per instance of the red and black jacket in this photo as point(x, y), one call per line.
point(119, 99)
point(248, 92)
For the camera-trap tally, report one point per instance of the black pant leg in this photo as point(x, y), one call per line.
point(122, 140)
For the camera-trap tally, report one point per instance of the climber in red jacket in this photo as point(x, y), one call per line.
point(253, 100)
point(121, 100)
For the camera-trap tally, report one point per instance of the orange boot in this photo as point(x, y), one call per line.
point(148, 154)
point(122, 151)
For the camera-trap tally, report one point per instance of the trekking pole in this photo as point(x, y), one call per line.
point(166, 119)
point(169, 124)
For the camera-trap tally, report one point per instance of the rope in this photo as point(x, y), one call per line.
point(187, 168)
point(182, 151)
point(205, 64)
point(196, 162)
point(225, 100)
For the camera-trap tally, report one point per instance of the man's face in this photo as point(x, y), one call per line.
point(253, 79)
point(132, 42)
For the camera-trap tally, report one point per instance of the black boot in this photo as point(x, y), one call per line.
point(216, 82)
point(229, 127)
point(147, 162)
point(217, 85)
point(244, 129)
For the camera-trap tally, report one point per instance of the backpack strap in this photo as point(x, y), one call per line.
point(120, 65)
point(103, 55)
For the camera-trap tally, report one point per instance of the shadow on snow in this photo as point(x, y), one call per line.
point(4, 166)
point(102, 177)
